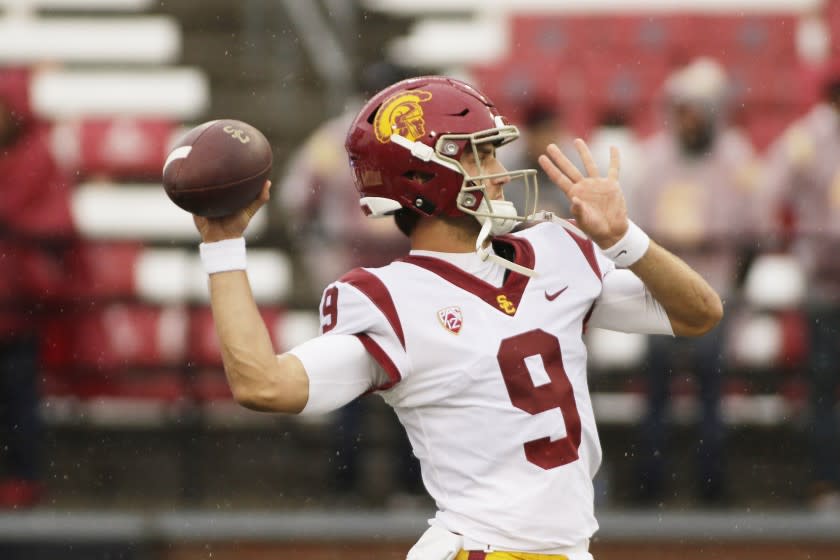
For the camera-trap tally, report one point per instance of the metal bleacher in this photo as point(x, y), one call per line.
point(128, 314)
point(133, 383)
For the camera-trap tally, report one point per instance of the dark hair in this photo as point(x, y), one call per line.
point(380, 74)
point(541, 112)
point(831, 90)
point(406, 220)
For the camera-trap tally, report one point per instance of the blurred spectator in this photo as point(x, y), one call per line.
point(34, 211)
point(693, 196)
point(614, 129)
point(804, 179)
point(543, 123)
point(321, 207)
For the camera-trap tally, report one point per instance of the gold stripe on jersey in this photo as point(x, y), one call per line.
point(507, 555)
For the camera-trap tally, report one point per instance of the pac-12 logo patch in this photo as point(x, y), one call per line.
point(451, 319)
point(401, 114)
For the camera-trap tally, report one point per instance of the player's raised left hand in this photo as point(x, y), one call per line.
point(597, 203)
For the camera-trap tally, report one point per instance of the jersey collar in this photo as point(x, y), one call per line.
point(505, 298)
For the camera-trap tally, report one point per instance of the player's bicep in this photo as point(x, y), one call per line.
point(343, 310)
point(626, 305)
point(364, 309)
point(338, 369)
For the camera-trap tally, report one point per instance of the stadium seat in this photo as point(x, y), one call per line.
point(56, 351)
point(611, 351)
point(131, 211)
point(515, 83)
point(832, 18)
point(447, 42)
point(210, 385)
point(756, 341)
point(549, 37)
point(747, 36)
point(765, 83)
point(84, 40)
point(102, 271)
point(769, 340)
point(116, 337)
point(663, 35)
point(132, 270)
point(77, 5)
point(116, 353)
point(179, 94)
point(623, 81)
point(795, 343)
point(55, 383)
point(775, 282)
point(159, 386)
point(41, 274)
point(122, 148)
point(122, 396)
point(295, 327)
point(795, 390)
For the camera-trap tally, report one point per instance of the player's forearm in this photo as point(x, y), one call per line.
point(693, 307)
point(258, 379)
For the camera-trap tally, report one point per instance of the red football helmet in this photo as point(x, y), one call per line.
point(406, 143)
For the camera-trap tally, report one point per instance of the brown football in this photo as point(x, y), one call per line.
point(217, 168)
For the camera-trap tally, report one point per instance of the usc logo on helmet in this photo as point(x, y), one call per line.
point(401, 114)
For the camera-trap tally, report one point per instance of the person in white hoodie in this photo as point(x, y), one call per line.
point(697, 180)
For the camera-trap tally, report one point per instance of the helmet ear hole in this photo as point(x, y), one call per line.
point(372, 114)
point(420, 177)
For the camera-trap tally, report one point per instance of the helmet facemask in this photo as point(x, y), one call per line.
point(472, 198)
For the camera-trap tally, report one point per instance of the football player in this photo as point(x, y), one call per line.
point(475, 336)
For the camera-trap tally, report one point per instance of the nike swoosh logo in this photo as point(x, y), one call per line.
point(552, 297)
point(622, 252)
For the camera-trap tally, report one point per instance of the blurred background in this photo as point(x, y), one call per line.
point(119, 435)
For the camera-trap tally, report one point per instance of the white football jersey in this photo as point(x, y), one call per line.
point(490, 383)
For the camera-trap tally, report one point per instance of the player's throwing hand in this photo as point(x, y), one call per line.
point(232, 226)
point(597, 202)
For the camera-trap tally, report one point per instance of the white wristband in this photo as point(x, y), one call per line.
point(224, 255)
point(629, 248)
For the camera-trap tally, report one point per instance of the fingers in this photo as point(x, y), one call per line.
point(586, 156)
point(562, 162)
point(557, 177)
point(615, 164)
point(260, 200)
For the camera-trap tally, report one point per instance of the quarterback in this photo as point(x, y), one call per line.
point(475, 337)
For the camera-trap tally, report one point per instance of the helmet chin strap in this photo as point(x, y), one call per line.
point(489, 226)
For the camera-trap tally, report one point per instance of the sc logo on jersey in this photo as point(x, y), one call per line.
point(237, 133)
point(505, 304)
